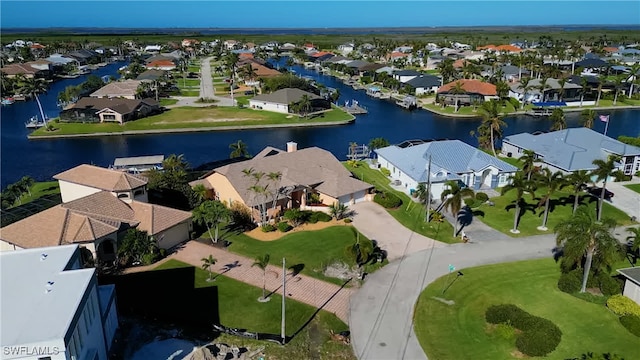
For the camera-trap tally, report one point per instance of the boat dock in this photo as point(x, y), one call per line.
point(354, 108)
point(408, 102)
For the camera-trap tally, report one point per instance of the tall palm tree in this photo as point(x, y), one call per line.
point(551, 182)
point(33, 87)
point(577, 180)
point(586, 117)
point(491, 117)
point(207, 263)
point(304, 105)
point(562, 82)
point(633, 78)
point(519, 184)
point(26, 183)
point(602, 172)
point(262, 262)
point(524, 85)
point(634, 240)
point(543, 87)
point(529, 160)
point(457, 89)
point(600, 84)
point(617, 86)
point(581, 236)
point(211, 213)
point(558, 120)
point(453, 197)
point(584, 86)
point(274, 178)
point(239, 149)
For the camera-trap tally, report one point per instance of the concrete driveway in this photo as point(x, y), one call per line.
point(624, 198)
point(374, 222)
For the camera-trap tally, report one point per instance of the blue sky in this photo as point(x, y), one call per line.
point(314, 14)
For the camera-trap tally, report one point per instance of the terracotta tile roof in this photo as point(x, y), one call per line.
point(155, 218)
point(459, 63)
point(263, 71)
point(160, 63)
point(101, 178)
point(245, 55)
point(103, 205)
point(471, 86)
point(611, 49)
point(321, 53)
point(15, 69)
point(398, 54)
point(507, 48)
point(117, 89)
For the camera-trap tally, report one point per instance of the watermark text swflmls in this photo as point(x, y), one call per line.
point(30, 350)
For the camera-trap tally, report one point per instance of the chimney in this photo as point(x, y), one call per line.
point(292, 146)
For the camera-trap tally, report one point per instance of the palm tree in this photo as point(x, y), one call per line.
point(457, 89)
point(602, 172)
point(551, 182)
point(274, 177)
point(519, 184)
point(338, 210)
point(529, 160)
point(453, 197)
point(491, 118)
point(524, 85)
point(262, 262)
point(562, 82)
point(558, 120)
point(26, 183)
point(600, 84)
point(304, 105)
point(211, 213)
point(582, 236)
point(584, 85)
point(617, 86)
point(543, 86)
point(207, 263)
point(586, 117)
point(634, 241)
point(201, 192)
point(33, 87)
point(239, 149)
point(633, 79)
point(577, 180)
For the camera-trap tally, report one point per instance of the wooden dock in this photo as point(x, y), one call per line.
point(355, 109)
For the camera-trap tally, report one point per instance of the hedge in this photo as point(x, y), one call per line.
point(284, 226)
point(622, 305)
point(387, 200)
point(385, 171)
point(539, 336)
point(631, 323)
point(483, 197)
point(268, 228)
point(570, 282)
point(319, 216)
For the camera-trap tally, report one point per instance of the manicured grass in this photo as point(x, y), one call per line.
point(165, 102)
point(189, 92)
point(500, 216)
point(509, 160)
point(411, 215)
point(196, 117)
point(469, 110)
point(634, 187)
point(185, 83)
point(38, 190)
point(459, 331)
point(311, 249)
point(239, 308)
point(193, 68)
point(243, 100)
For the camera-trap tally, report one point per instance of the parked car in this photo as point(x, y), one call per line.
point(597, 191)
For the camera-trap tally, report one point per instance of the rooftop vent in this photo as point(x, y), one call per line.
point(43, 257)
point(49, 287)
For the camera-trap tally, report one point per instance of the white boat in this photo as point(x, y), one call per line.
point(34, 123)
point(8, 101)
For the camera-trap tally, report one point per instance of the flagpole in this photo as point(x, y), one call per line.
point(606, 126)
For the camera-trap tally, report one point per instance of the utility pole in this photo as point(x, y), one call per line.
point(284, 297)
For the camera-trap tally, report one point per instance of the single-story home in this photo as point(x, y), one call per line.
point(632, 283)
point(166, 65)
point(552, 92)
point(425, 84)
point(471, 91)
point(11, 70)
point(405, 75)
point(572, 149)
point(280, 101)
point(98, 206)
point(151, 75)
point(454, 160)
point(127, 89)
point(91, 109)
point(311, 174)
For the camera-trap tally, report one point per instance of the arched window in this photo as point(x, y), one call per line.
point(123, 196)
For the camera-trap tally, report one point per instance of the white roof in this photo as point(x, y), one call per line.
point(30, 313)
point(139, 160)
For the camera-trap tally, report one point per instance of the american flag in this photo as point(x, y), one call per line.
point(604, 118)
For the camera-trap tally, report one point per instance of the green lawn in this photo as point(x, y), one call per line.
point(501, 219)
point(38, 190)
point(192, 117)
point(459, 331)
point(193, 68)
point(468, 110)
point(168, 101)
point(185, 83)
point(189, 92)
point(311, 249)
point(239, 308)
point(410, 214)
point(634, 187)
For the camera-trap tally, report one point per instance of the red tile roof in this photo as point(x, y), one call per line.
point(245, 55)
point(160, 63)
point(398, 54)
point(320, 53)
point(471, 86)
point(507, 48)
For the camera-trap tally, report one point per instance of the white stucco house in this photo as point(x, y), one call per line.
point(346, 49)
point(572, 149)
point(280, 101)
point(52, 308)
point(632, 283)
point(450, 160)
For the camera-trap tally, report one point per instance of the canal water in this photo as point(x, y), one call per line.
point(41, 159)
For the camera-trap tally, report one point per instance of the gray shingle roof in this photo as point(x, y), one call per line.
point(451, 156)
point(424, 81)
point(408, 72)
point(285, 96)
point(633, 274)
point(572, 149)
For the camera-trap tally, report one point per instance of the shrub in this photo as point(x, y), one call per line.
point(570, 282)
point(622, 305)
point(480, 196)
point(609, 285)
point(505, 331)
point(319, 216)
point(385, 171)
point(500, 314)
point(296, 216)
point(284, 227)
point(348, 221)
point(268, 228)
point(631, 323)
point(539, 342)
point(387, 200)
point(515, 103)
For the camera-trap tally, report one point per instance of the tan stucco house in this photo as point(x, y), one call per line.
point(311, 174)
point(98, 206)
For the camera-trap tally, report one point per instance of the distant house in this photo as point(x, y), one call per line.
point(151, 75)
point(405, 75)
point(553, 91)
point(346, 49)
point(306, 174)
point(28, 71)
point(424, 84)
point(152, 48)
point(127, 89)
point(280, 101)
point(287, 47)
point(89, 109)
point(165, 65)
point(230, 44)
point(450, 160)
point(472, 91)
point(632, 283)
point(500, 48)
point(572, 149)
point(84, 56)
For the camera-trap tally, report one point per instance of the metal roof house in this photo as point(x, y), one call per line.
point(572, 149)
point(53, 308)
point(138, 164)
point(280, 101)
point(454, 160)
point(632, 283)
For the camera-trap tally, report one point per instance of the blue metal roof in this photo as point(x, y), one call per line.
point(572, 149)
point(449, 159)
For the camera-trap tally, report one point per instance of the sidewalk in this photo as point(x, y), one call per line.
point(302, 288)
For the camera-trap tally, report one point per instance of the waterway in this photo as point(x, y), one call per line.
point(41, 159)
